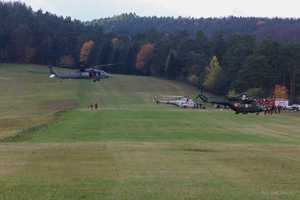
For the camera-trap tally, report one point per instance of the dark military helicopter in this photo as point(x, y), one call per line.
point(92, 73)
point(240, 104)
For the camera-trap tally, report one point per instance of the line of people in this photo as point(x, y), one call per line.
point(273, 110)
point(93, 106)
point(270, 106)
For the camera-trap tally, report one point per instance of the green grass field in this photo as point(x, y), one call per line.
point(54, 147)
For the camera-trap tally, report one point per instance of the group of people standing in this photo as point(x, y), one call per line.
point(270, 106)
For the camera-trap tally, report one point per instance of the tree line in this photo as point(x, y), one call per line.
point(226, 55)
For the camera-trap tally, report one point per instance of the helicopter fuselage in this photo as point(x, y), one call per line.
point(93, 74)
point(245, 108)
point(74, 75)
point(239, 105)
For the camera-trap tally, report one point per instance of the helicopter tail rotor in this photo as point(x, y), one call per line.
point(52, 73)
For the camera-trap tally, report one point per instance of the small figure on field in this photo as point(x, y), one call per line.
point(91, 106)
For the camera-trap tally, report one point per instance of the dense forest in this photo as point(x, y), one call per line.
point(221, 55)
point(275, 28)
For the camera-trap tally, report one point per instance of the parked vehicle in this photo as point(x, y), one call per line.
point(294, 107)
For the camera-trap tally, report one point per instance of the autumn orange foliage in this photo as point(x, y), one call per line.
point(86, 50)
point(145, 52)
point(280, 92)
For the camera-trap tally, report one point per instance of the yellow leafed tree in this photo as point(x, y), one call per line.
point(281, 92)
point(213, 73)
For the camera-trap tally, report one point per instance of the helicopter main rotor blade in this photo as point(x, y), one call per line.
point(67, 67)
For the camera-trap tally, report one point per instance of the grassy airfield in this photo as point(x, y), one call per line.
point(54, 147)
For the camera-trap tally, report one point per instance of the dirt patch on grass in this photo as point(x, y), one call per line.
point(26, 133)
point(9, 127)
point(201, 150)
point(25, 128)
point(11, 123)
point(60, 105)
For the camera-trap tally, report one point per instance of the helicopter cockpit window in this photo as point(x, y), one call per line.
point(244, 97)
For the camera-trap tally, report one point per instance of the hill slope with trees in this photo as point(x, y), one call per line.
point(220, 54)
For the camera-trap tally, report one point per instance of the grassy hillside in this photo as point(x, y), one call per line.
point(54, 147)
point(28, 93)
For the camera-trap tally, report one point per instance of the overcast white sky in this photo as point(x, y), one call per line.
point(93, 9)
